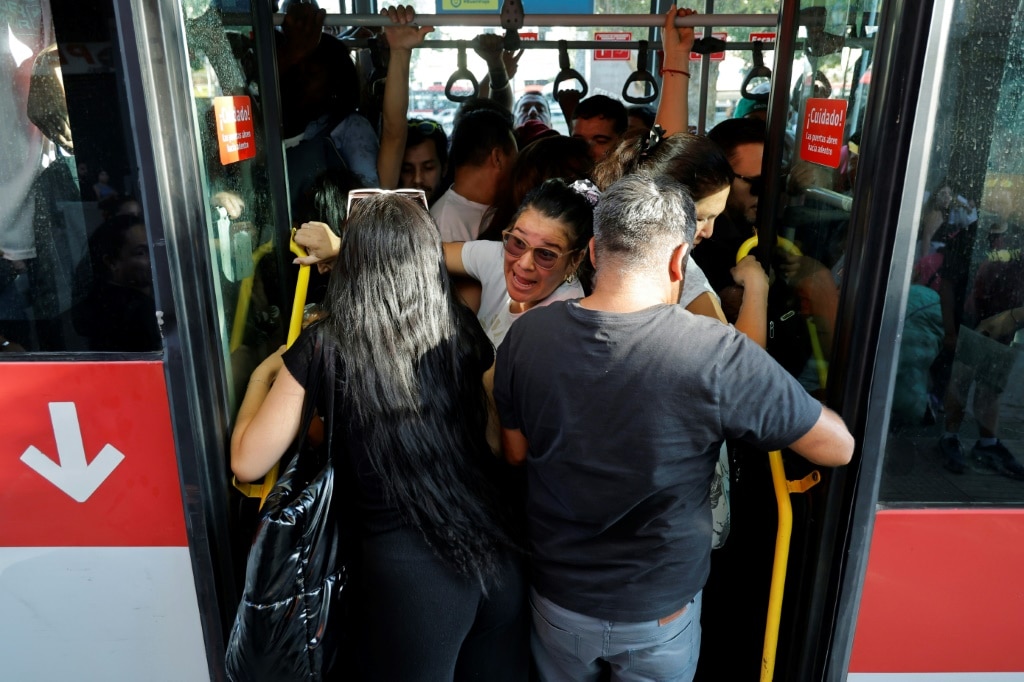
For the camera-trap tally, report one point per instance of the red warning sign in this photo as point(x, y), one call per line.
point(235, 136)
point(824, 124)
point(87, 456)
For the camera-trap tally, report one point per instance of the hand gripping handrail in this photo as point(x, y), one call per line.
point(566, 71)
point(812, 329)
point(641, 75)
point(263, 487)
point(461, 73)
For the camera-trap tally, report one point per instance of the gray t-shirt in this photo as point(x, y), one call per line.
point(624, 415)
point(695, 283)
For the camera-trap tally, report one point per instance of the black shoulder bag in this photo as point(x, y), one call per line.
point(289, 624)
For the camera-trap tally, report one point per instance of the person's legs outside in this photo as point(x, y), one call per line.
point(954, 404)
point(995, 362)
point(989, 450)
point(657, 651)
point(566, 645)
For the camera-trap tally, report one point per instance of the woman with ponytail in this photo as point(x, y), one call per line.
point(541, 259)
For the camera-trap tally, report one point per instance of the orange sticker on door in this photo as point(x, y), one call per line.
point(235, 136)
point(824, 125)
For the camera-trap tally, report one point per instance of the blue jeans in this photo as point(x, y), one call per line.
point(568, 646)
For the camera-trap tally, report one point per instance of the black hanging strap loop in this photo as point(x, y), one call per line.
point(708, 45)
point(461, 73)
point(380, 69)
point(566, 72)
point(512, 20)
point(641, 75)
point(759, 70)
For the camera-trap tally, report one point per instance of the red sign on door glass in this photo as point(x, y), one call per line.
point(235, 136)
point(824, 125)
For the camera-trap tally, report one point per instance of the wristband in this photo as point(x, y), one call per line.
point(663, 71)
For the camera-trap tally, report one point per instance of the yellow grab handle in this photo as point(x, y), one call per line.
point(748, 246)
point(782, 538)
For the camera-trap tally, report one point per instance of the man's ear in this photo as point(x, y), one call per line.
point(677, 265)
point(498, 158)
point(593, 253)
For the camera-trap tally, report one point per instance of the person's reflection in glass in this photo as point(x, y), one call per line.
point(119, 313)
point(985, 354)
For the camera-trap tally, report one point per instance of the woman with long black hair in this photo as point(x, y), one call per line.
point(439, 587)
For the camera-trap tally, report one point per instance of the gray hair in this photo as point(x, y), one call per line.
point(641, 219)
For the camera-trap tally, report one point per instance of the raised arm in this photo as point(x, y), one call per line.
point(673, 110)
point(490, 47)
point(401, 41)
point(268, 419)
point(828, 443)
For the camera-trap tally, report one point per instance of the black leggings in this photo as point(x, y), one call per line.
point(422, 621)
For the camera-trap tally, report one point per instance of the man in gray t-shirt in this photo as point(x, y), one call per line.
point(618, 404)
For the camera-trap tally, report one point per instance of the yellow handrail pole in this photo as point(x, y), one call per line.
point(294, 329)
point(783, 488)
point(819, 356)
point(301, 289)
point(263, 488)
point(782, 540)
point(244, 298)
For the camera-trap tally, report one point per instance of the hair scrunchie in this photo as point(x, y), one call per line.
point(649, 143)
point(588, 190)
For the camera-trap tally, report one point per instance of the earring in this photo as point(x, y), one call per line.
point(571, 277)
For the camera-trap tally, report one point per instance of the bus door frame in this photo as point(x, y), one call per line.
point(166, 137)
point(871, 302)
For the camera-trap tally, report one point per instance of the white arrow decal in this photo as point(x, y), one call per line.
point(76, 478)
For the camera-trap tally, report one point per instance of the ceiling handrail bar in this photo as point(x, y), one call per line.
point(553, 44)
point(549, 20)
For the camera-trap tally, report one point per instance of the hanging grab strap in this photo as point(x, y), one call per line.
point(759, 70)
point(566, 72)
point(379, 75)
point(461, 73)
point(641, 75)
